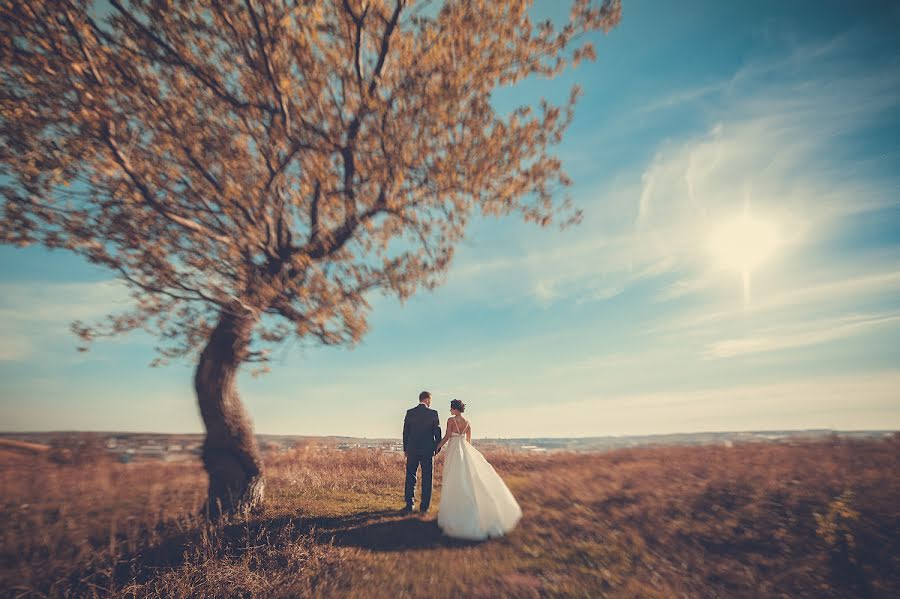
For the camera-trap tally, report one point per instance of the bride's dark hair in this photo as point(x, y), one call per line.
point(455, 404)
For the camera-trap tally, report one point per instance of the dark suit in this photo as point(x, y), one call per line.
point(421, 434)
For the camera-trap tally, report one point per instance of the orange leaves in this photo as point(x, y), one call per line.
point(585, 52)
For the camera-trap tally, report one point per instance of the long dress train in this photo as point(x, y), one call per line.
point(475, 502)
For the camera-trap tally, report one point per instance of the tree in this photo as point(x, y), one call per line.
point(252, 170)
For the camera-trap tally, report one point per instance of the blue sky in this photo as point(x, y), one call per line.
point(694, 114)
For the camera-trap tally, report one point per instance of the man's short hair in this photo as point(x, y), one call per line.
point(424, 395)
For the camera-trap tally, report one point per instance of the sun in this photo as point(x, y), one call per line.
point(742, 244)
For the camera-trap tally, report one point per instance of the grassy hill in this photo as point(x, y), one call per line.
point(810, 519)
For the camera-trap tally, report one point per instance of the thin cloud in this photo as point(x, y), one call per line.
point(838, 291)
point(52, 301)
point(35, 315)
point(809, 334)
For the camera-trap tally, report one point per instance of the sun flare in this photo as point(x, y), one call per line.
point(742, 244)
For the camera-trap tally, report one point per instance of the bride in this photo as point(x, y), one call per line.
point(475, 502)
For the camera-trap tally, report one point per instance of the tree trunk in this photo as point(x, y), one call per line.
point(230, 452)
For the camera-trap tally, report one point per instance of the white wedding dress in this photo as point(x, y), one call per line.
point(475, 502)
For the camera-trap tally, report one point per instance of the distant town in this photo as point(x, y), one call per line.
point(128, 447)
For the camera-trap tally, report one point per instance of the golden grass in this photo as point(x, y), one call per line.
point(23, 446)
point(803, 520)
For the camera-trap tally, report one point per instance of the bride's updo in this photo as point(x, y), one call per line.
point(457, 405)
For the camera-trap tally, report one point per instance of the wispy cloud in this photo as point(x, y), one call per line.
point(573, 267)
point(686, 95)
point(808, 334)
point(34, 315)
point(54, 301)
point(839, 290)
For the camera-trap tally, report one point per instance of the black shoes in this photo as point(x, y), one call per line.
point(409, 510)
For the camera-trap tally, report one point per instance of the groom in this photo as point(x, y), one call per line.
point(421, 434)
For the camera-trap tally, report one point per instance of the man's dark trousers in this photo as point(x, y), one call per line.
point(421, 434)
point(413, 461)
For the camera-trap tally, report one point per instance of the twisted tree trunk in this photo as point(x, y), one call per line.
point(230, 452)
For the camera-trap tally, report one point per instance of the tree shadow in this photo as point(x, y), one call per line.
point(375, 530)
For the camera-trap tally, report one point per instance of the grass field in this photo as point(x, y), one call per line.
point(788, 520)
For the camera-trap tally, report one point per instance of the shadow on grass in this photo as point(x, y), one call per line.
point(396, 535)
point(379, 530)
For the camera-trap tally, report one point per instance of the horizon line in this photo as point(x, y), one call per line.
point(715, 432)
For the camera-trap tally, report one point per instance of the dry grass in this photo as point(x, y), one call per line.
point(804, 520)
point(23, 446)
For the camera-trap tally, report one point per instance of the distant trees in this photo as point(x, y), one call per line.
point(253, 169)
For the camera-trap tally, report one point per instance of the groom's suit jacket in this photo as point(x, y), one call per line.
point(421, 430)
